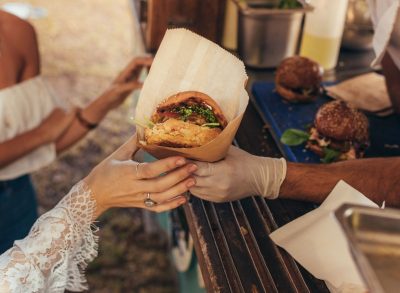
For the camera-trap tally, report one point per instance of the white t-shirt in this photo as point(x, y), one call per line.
point(386, 19)
point(22, 108)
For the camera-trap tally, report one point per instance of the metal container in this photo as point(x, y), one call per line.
point(374, 239)
point(267, 35)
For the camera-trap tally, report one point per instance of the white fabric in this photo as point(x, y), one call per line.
point(318, 243)
point(56, 251)
point(385, 16)
point(22, 108)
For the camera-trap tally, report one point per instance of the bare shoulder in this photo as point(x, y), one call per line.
point(21, 38)
point(18, 31)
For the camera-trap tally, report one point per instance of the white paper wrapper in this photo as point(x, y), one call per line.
point(187, 62)
point(318, 243)
point(366, 92)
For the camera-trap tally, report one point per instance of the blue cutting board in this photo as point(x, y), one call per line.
point(281, 115)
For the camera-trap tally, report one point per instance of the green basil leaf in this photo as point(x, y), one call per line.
point(294, 137)
point(330, 155)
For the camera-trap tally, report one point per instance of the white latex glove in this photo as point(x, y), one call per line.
point(239, 175)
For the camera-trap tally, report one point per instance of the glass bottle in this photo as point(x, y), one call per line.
point(323, 31)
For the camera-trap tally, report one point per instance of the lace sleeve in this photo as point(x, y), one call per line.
point(55, 254)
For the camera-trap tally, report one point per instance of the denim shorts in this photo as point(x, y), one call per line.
point(18, 210)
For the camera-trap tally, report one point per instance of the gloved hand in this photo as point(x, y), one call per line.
point(239, 175)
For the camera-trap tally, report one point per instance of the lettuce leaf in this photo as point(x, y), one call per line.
point(294, 137)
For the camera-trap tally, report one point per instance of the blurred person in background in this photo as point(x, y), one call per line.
point(25, 145)
point(54, 255)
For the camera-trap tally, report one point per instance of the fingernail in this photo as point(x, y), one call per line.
point(192, 168)
point(190, 183)
point(180, 162)
point(183, 201)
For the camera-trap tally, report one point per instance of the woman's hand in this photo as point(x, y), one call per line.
point(120, 88)
point(55, 124)
point(121, 182)
point(126, 82)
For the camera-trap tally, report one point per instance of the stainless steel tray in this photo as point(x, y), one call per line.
point(374, 239)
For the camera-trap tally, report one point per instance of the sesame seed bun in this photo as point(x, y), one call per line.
point(341, 121)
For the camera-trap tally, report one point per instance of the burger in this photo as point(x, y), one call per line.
point(340, 132)
point(185, 120)
point(298, 79)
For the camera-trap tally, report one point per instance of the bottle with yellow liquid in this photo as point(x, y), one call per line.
point(323, 32)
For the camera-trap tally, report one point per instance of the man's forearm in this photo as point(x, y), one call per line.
point(378, 179)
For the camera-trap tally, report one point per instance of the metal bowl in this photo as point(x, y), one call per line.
point(268, 35)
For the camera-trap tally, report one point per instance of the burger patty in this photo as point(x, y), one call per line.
point(348, 149)
point(340, 120)
point(178, 133)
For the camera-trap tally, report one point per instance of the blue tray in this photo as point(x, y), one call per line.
point(281, 115)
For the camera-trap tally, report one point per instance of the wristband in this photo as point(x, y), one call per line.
point(84, 122)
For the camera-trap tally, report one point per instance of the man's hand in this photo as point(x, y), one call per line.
point(239, 175)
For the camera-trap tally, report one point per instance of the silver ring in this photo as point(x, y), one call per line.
point(148, 202)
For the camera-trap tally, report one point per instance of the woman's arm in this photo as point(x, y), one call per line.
point(126, 82)
point(61, 243)
point(56, 251)
point(48, 131)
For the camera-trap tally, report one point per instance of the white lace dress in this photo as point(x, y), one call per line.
point(54, 255)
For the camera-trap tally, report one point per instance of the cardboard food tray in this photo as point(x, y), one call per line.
point(281, 115)
point(186, 61)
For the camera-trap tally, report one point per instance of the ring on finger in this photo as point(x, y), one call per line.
point(148, 202)
point(137, 169)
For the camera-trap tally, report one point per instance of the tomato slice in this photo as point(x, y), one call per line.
point(171, 114)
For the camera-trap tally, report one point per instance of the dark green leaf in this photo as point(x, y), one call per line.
point(293, 137)
point(186, 111)
point(330, 155)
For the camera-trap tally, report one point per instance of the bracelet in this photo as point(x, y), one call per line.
point(84, 122)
